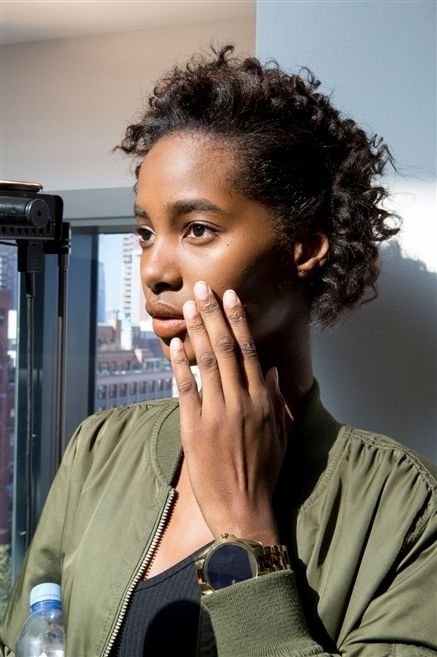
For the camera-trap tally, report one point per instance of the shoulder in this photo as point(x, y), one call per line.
point(124, 422)
point(375, 503)
point(107, 436)
point(386, 477)
point(388, 456)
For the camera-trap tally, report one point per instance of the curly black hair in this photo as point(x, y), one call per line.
point(315, 169)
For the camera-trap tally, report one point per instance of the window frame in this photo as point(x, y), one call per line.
point(89, 212)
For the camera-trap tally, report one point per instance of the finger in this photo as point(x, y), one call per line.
point(205, 357)
point(224, 351)
point(237, 320)
point(283, 416)
point(185, 381)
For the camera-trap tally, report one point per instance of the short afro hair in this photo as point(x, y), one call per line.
point(315, 169)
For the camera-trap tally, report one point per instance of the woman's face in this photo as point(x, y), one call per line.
point(194, 225)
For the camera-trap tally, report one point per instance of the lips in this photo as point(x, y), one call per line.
point(167, 322)
point(168, 327)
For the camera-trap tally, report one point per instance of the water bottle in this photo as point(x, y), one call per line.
point(42, 635)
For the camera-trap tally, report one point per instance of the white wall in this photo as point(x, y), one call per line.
point(377, 370)
point(65, 102)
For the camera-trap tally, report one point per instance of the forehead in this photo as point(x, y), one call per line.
point(186, 159)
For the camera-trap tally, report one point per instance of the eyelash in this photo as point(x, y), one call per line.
point(207, 228)
point(141, 232)
point(145, 233)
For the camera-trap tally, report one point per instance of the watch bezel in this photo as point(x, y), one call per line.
point(268, 558)
point(224, 545)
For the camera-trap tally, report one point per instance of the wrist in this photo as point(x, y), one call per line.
point(251, 525)
point(265, 536)
point(230, 560)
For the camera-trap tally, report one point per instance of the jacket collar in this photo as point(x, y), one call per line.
point(166, 441)
point(310, 443)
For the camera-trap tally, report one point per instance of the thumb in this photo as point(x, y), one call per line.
point(278, 402)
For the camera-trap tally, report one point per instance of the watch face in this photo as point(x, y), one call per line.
point(228, 564)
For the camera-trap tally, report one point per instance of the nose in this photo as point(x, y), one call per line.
point(159, 268)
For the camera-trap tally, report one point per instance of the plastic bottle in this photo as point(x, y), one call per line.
point(42, 635)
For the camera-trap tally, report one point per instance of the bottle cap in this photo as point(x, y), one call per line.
point(45, 591)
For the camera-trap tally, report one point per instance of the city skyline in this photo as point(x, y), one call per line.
point(121, 292)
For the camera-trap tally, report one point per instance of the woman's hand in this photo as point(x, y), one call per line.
point(234, 430)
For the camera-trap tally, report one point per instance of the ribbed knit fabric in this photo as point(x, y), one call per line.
point(163, 615)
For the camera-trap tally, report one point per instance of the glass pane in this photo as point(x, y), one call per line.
point(8, 333)
point(129, 361)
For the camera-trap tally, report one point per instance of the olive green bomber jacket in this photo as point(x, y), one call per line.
point(357, 510)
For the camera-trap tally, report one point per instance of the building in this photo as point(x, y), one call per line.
point(8, 295)
point(101, 294)
point(126, 376)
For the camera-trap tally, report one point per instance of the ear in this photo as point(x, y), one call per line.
point(310, 253)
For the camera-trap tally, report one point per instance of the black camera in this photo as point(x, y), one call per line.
point(34, 220)
point(25, 213)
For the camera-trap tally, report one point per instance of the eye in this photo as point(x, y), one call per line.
point(145, 234)
point(200, 230)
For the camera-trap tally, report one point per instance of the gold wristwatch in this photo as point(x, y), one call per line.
point(229, 560)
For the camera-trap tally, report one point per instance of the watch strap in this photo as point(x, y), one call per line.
point(272, 558)
point(269, 558)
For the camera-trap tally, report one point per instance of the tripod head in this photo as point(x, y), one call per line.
point(34, 221)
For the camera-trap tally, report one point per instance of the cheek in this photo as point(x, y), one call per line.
point(234, 270)
point(262, 281)
point(270, 297)
point(268, 315)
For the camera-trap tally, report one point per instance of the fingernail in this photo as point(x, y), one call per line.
point(189, 309)
point(201, 290)
point(276, 377)
point(230, 298)
point(175, 345)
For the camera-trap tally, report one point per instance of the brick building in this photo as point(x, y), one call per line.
point(126, 376)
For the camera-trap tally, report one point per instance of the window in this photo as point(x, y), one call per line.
point(150, 386)
point(8, 357)
point(101, 392)
point(113, 358)
point(124, 335)
point(108, 344)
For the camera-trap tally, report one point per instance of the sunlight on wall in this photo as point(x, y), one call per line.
point(415, 201)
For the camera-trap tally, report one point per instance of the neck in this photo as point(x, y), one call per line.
point(291, 355)
point(295, 381)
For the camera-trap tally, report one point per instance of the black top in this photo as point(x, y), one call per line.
point(163, 615)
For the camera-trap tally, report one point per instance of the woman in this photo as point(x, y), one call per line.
point(274, 531)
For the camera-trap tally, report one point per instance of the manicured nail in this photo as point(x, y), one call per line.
point(230, 299)
point(189, 309)
point(175, 345)
point(201, 290)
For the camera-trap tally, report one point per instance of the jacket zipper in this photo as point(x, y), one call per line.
point(144, 565)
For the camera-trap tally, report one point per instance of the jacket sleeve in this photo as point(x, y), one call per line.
point(43, 561)
point(264, 617)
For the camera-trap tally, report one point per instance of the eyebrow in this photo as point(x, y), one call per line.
point(182, 207)
point(140, 212)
